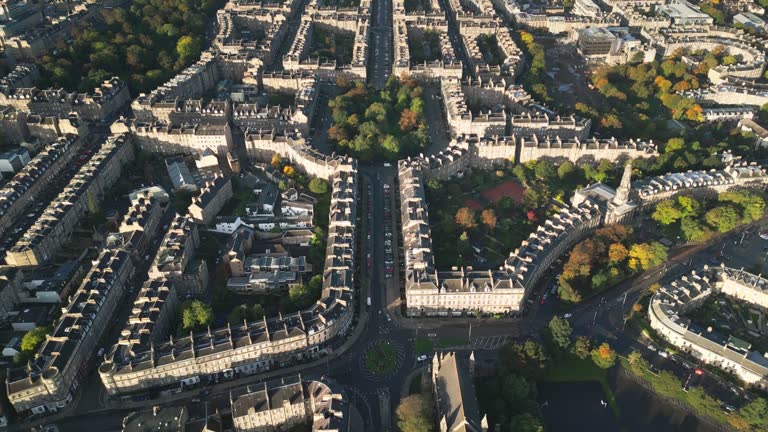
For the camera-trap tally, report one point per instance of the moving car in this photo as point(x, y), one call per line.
point(421, 358)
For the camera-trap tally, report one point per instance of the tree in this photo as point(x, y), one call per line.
point(644, 256)
point(465, 217)
point(434, 185)
point(693, 230)
point(521, 174)
point(238, 315)
point(755, 414)
point(318, 186)
point(414, 414)
point(525, 423)
point(408, 120)
point(488, 216)
point(33, 338)
point(582, 347)
point(560, 330)
point(545, 171)
point(257, 312)
point(188, 47)
point(617, 253)
point(566, 170)
point(666, 212)
point(723, 218)
point(604, 356)
point(196, 314)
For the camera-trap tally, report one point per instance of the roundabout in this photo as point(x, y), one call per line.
point(381, 359)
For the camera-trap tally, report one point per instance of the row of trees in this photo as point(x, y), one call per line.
point(386, 124)
point(606, 258)
point(697, 221)
point(145, 44)
point(534, 78)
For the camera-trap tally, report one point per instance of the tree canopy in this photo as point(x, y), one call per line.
point(144, 43)
point(604, 356)
point(374, 125)
point(196, 315)
point(414, 414)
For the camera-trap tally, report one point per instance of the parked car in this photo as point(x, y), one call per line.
point(652, 347)
point(421, 358)
point(699, 371)
point(664, 354)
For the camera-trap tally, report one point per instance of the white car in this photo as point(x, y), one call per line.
point(421, 358)
point(567, 315)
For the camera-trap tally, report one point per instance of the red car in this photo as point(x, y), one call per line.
point(699, 371)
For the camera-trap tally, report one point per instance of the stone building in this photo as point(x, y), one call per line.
point(454, 393)
point(175, 258)
point(213, 196)
point(44, 238)
point(260, 345)
point(673, 300)
point(21, 191)
point(279, 405)
point(49, 382)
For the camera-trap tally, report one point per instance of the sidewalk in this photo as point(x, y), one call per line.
point(240, 382)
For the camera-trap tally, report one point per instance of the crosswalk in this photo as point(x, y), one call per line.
point(490, 342)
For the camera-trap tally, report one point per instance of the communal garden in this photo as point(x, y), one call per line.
point(332, 44)
point(477, 220)
point(424, 46)
point(375, 125)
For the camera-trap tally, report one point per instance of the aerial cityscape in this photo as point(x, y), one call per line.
point(384, 215)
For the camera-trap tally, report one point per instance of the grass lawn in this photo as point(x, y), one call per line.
point(572, 368)
point(424, 346)
point(381, 358)
point(451, 342)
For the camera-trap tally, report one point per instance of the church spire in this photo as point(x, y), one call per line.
point(622, 193)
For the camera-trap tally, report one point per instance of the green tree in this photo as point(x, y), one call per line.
point(257, 312)
point(188, 47)
point(318, 186)
point(560, 331)
point(414, 414)
point(666, 212)
point(582, 347)
point(434, 185)
point(604, 356)
point(693, 230)
point(566, 170)
point(195, 315)
point(755, 413)
point(33, 338)
point(545, 171)
point(723, 218)
point(238, 315)
point(525, 423)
